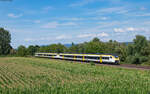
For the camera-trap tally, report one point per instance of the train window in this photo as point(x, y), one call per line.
point(116, 56)
point(69, 56)
point(90, 57)
point(49, 55)
point(79, 56)
point(107, 58)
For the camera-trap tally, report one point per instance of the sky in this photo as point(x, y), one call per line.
point(43, 22)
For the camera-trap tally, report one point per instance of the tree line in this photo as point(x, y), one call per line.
point(136, 52)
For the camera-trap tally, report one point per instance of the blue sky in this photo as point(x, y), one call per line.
point(43, 22)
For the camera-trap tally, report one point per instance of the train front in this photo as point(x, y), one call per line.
point(117, 60)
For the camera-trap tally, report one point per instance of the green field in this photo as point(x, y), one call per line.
point(44, 76)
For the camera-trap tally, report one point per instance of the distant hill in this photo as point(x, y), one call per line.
point(67, 45)
point(127, 43)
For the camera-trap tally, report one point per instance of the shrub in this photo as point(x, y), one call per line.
point(133, 59)
point(143, 59)
point(136, 60)
point(129, 59)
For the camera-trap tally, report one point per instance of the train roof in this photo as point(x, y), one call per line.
point(93, 53)
point(85, 53)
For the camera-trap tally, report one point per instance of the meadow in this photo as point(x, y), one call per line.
point(22, 75)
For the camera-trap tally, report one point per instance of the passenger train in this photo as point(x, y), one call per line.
point(101, 58)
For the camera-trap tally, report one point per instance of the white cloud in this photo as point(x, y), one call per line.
point(103, 34)
point(46, 9)
point(82, 3)
point(38, 39)
point(29, 40)
point(70, 19)
point(56, 24)
point(63, 37)
point(131, 29)
point(37, 21)
point(99, 18)
point(84, 35)
point(143, 8)
point(51, 25)
point(119, 30)
point(59, 37)
point(14, 15)
point(128, 29)
point(116, 10)
point(68, 24)
point(85, 2)
point(144, 14)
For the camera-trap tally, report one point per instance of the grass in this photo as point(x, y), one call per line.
point(44, 76)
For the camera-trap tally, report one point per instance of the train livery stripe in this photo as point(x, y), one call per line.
point(101, 59)
point(83, 58)
point(74, 57)
point(63, 56)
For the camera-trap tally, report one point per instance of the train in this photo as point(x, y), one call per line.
point(99, 58)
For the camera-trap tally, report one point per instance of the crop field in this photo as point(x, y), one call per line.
point(20, 75)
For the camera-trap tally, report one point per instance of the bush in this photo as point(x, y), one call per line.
point(136, 59)
point(143, 59)
point(128, 59)
point(133, 59)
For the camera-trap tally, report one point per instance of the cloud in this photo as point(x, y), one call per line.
point(51, 25)
point(70, 19)
point(99, 18)
point(144, 14)
point(82, 3)
point(84, 35)
point(103, 34)
point(68, 24)
point(129, 29)
point(63, 37)
point(85, 2)
point(29, 40)
point(143, 8)
point(38, 39)
point(110, 10)
point(56, 24)
point(47, 8)
point(119, 30)
point(59, 37)
point(37, 21)
point(14, 15)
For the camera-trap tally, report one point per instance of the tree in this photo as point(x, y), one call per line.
point(73, 49)
point(21, 51)
point(95, 46)
point(5, 39)
point(31, 50)
point(130, 49)
point(53, 48)
point(140, 44)
point(96, 39)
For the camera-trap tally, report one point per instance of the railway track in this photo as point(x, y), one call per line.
point(129, 66)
